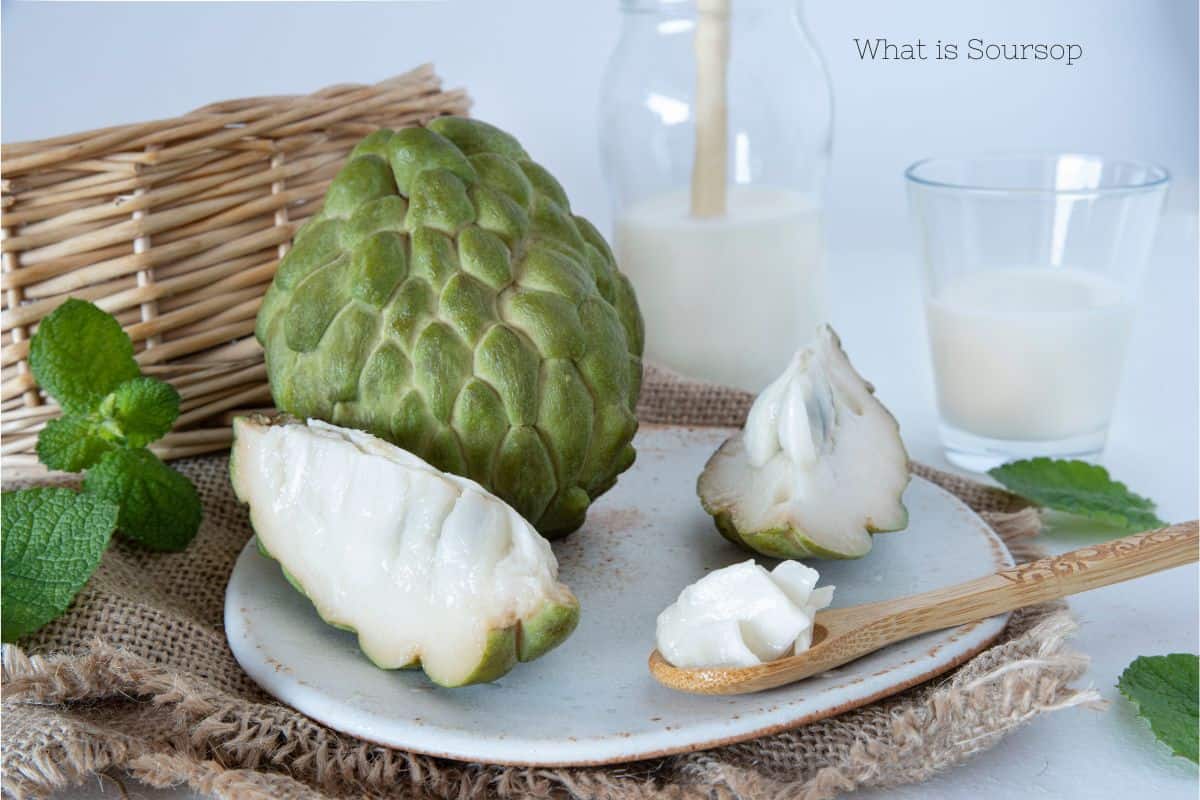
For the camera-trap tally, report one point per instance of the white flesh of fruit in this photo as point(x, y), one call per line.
point(421, 564)
point(742, 615)
point(818, 467)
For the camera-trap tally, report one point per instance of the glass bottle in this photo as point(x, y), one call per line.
point(727, 296)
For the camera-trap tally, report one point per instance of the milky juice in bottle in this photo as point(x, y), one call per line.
point(1028, 353)
point(730, 298)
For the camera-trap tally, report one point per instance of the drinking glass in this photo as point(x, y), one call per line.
point(1033, 266)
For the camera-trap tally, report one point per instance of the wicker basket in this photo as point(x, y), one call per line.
point(176, 227)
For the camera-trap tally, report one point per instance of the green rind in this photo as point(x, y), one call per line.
point(903, 523)
point(498, 659)
point(784, 543)
point(546, 629)
point(414, 664)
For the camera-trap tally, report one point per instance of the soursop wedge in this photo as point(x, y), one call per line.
point(818, 467)
point(427, 568)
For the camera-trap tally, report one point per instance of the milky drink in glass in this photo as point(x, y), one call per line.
point(1033, 265)
point(1028, 353)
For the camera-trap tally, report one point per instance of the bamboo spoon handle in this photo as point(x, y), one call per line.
point(1023, 585)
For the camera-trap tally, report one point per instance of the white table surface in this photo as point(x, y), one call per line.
point(74, 66)
point(1075, 753)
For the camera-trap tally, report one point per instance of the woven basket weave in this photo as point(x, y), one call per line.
point(176, 227)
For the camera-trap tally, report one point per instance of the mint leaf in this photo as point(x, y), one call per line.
point(141, 410)
point(137, 412)
point(1078, 487)
point(79, 354)
point(1165, 690)
point(159, 507)
point(52, 543)
point(71, 444)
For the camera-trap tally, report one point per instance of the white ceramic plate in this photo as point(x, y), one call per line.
point(592, 701)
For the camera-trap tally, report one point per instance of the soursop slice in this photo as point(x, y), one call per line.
point(447, 299)
point(426, 568)
point(818, 468)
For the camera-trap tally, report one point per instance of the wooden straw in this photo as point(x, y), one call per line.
point(712, 58)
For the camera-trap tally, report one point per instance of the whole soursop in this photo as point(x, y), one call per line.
point(446, 299)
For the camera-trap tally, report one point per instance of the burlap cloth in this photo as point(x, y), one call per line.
point(137, 679)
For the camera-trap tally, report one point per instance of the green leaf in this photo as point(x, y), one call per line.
point(72, 443)
point(141, 410)
point(1078, 487)
point(1165, 690)
point(160, 508)
point(52, 543)
point(79, 354)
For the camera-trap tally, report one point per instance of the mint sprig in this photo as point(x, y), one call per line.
point(1080, 488)
point(140, 411)
point(159, 507)
point(83, 359)
point(1165, 690)
point(71, 444)
point(52, 542)
point(80, 354)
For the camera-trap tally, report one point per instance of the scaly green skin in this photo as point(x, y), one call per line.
point(446, 299)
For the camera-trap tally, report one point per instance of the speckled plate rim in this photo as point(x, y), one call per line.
point(329, 711)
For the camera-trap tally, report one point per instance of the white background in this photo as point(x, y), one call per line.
point(535, 69)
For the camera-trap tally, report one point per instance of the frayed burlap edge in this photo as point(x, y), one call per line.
point(101, 707)
point(235, 750)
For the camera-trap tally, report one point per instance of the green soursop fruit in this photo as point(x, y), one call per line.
point(428, 569)
point(818, 467)
point(446, 299)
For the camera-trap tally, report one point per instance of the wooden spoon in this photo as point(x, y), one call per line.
point(841, 635)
